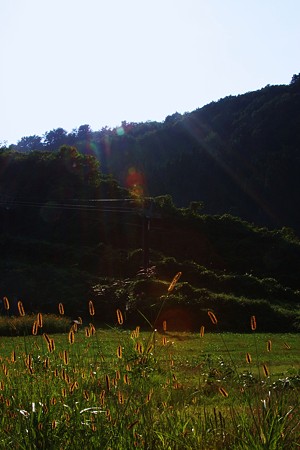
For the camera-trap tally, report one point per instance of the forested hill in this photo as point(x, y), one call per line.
point(240, 155)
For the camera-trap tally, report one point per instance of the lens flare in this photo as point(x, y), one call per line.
point(135, 182)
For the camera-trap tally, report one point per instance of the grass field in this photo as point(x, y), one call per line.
point(122, 389)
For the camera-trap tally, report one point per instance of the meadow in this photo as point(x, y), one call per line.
point(115, 388)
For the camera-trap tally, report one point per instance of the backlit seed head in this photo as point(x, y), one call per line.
point(61, 309)
point(47, 338)
point(35, 328)
point(223, 392)
point(92, 329)
point(66, 357)
point(202, 331)
point(21, 308)
point(120, 398)
point(164, 325)
point(13, 356)
point(102, 397)
point(266, 370)
point(107, 381)
point(131, 425)
point(5, 370)
point(6, 303)
point(212, 317)
point(91, 308)
point(47, 363)
point(119, 352)
point(28, 361)
point(174, 281)
point(164, 340)
point(126, 379)
point(139, 348)
point(248, 358)
point(39, 320)
point(253, 323)
point(51, 345)
point(71, 337)
point(108, 415)
point(120, 317)
point(150, 348)
point(269, 345)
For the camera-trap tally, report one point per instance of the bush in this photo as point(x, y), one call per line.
point(21, 326)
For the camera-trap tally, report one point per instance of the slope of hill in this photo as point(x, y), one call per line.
point(239, 155)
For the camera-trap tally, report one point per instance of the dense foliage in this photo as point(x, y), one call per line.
point(239, 155)
point(82, 222)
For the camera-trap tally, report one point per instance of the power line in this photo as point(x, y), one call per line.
point(92, 205)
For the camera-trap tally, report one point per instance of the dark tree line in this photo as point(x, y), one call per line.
point(240, 155)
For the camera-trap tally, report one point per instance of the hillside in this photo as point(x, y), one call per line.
point(239, 155)
point(212, 194)
point(58, 245)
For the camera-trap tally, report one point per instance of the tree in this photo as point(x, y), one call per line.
point(29, 143)
point(295, 79)
point(84, 133)
point(54, 139)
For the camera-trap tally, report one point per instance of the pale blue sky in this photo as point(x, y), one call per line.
point(65, 63)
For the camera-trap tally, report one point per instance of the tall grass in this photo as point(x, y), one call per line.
point(120, 389)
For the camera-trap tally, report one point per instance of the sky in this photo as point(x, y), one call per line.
point(66, 63)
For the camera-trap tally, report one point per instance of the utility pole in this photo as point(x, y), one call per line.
point(147, 213)
point(146, 229)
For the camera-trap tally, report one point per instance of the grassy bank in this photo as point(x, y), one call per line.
point(124, 389)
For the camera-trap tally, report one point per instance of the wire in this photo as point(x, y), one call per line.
point(77, 207)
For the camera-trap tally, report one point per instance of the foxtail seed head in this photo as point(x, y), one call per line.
point(91, 308)
point(223, 392)
point(107, 381)
point(6, 303)
point(212, 317)
point(253, 323)
point(66, 357)
point(174, 281)
point(39, 320)
point(266, 370)
point(13, 356)
point(35, 328)
point(21, 308)
point(120, 317)
point(71, 336)
point(119, 352)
